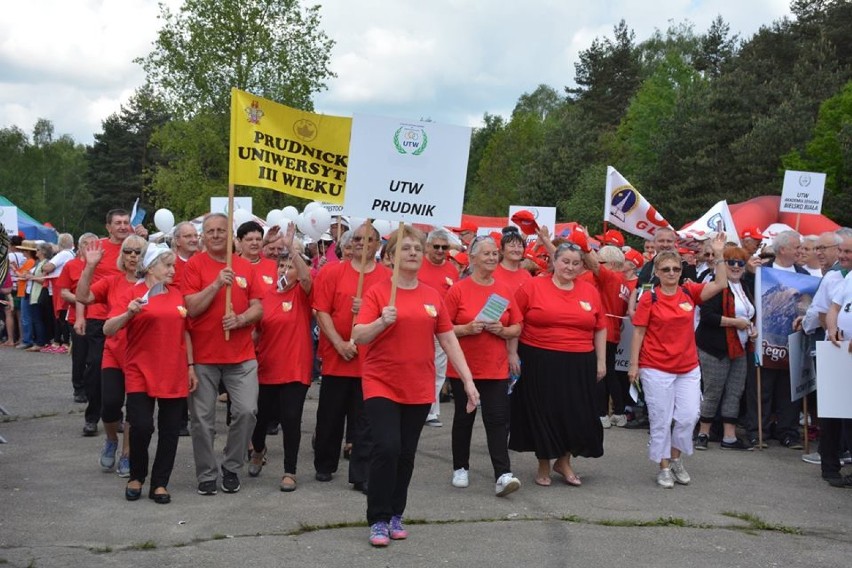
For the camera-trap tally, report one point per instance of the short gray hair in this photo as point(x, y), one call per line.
point(810, 239)
point(85, 237)
point(843, 233)
point(435, 234)
point(66, 241)
point(612, 254)
point(786, 239)
point(345, 237)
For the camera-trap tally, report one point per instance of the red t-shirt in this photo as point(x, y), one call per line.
point(560, 320)
point(156, 361)
point(333, 292)
point(267, 274)
point(285, 351)
point(513, 278)
point(108, 266)
point(109, 293)
point(614, 295)
point(399, 364)
point(485, 353)
point(180, 268)
point(67, 280)
point(669, 343)
point(208, 338)
point(440, 277)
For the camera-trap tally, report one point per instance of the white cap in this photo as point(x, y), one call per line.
point(152, 253)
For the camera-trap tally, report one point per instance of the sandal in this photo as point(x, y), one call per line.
point(570, 478)
point(256, 462)
point(543, 481)
point(288, 483)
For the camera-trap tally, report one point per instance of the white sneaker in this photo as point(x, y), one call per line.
point(460, 478)
point(507, 483)
point(679, 472)
point(665, 479)
point(619, 420)
point(605, 422)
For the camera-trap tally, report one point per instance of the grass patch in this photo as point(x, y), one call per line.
point(101, 549)
point(758, 524)
point(147, 545)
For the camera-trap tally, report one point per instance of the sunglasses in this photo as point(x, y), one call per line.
point(357, 239)
point(137, 252)
point(441, 247)
point(733, 262)
point(671, 269)
point(569, 246)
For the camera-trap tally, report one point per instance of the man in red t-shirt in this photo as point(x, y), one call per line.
point(440, 274)
point(118, 228)
point(216, 359)
point(185, 245)
point(66, 285)
point(336, 305)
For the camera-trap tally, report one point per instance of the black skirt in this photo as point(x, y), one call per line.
point(553, 405)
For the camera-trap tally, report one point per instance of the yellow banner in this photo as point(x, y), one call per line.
point(288, 150)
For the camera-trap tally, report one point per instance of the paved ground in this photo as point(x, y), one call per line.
point(742, 509)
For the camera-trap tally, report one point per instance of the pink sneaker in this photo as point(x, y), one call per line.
point(396, 530)
point(47, 349)
point(60, 350)
point(379, 534)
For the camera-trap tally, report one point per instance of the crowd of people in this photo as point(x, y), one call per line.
point(526, 329)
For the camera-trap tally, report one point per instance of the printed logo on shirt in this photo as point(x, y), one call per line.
point(431, 310)
point(586, 306)
point(685, 306)
point(286, 306)
point(241, 281)
point(182, 311)
point(448, 280)
point(267, 279)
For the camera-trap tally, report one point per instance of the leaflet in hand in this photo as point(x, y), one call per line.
point(493, 309)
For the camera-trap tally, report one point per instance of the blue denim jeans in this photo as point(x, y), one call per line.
point(26, 321)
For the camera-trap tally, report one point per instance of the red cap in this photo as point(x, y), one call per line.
point(685, 251)
point(635, 257)
point(526, 221)
point(752, 233)
point(496, 236)
point(465, 226)
point(461, 258)
point(580, 239)
point(612, 237)
point(537, 254)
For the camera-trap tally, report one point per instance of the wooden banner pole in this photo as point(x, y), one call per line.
point(397, 256)
point(359, 290)
point(229, 247)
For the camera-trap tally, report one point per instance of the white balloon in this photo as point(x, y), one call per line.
point(320, 219)
point(274, 217)
point(383, 227)
point(290, 212)
point(242, 216)
point(303, 224)
point(311, 206)
point(164, 220)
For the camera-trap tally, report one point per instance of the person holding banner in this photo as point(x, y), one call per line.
point(554, 412)
point(725, 338)
point(664, 325)
point(399, 379)
point(482, 335)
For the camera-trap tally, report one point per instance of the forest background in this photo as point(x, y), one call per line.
point(689, 117)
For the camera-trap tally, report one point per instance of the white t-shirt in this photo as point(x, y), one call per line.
point(743, 308)
point(828, 287)
point(843, 298)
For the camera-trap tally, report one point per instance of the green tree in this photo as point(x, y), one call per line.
point(479, 140)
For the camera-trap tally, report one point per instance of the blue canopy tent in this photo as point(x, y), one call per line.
point(31, 228)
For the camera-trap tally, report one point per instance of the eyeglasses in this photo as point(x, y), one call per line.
point(358, 239)
point(671, 269)
point(735, 262)
point(137, 252)
point(822, 248)
point(569, 246)
point(441, 247)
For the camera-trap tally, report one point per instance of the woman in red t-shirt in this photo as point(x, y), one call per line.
point(109, 292)
point(663, 354)
point(562, 349)
point(284, 360)
point(398, 379)
point(158, 369)
point(509, 270)
point(483, 340)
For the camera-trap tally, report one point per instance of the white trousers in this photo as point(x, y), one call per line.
point(674, 404)
point(440, 377)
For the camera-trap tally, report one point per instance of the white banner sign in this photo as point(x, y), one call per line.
point(9, 218)
point(622, 352)
point(625, 207)
point(718, 218)
point(802, 192)
point(220, 204)
point(834, 395)
point(407, 171)
point(802, 379)
point(544, 216)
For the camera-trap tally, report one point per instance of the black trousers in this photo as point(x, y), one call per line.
point(835, 436)
point(112, 394)
point(396, 431)
point(610, 386)
point(775, 397)
point(339, 397)
point(281, 404)
point(140, 414)
point(48, 317)
point(494, 400)
point(62, 331)
point(92, 373)
point(79, 353)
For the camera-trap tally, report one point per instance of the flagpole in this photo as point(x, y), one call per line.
point(397, 255)
point(229, 247)
point(359, 290)
point(759, 412)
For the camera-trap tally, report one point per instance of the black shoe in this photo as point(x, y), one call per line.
point(132, 494)
point(159, 498)
point(207, 487)
point(80, 398)
point(323, 476)
point(90, 429)
point(230, 481)
point(844, 481)
point(792, 443)
point(754, 444)
point(737, 445)
point(360, 486)
point(701, 442)
point(184, 430)
point(638, 424)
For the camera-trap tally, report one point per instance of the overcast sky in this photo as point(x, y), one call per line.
point(71, 61)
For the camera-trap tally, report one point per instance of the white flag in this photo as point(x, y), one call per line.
point(718, 218)
point(625, 207)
